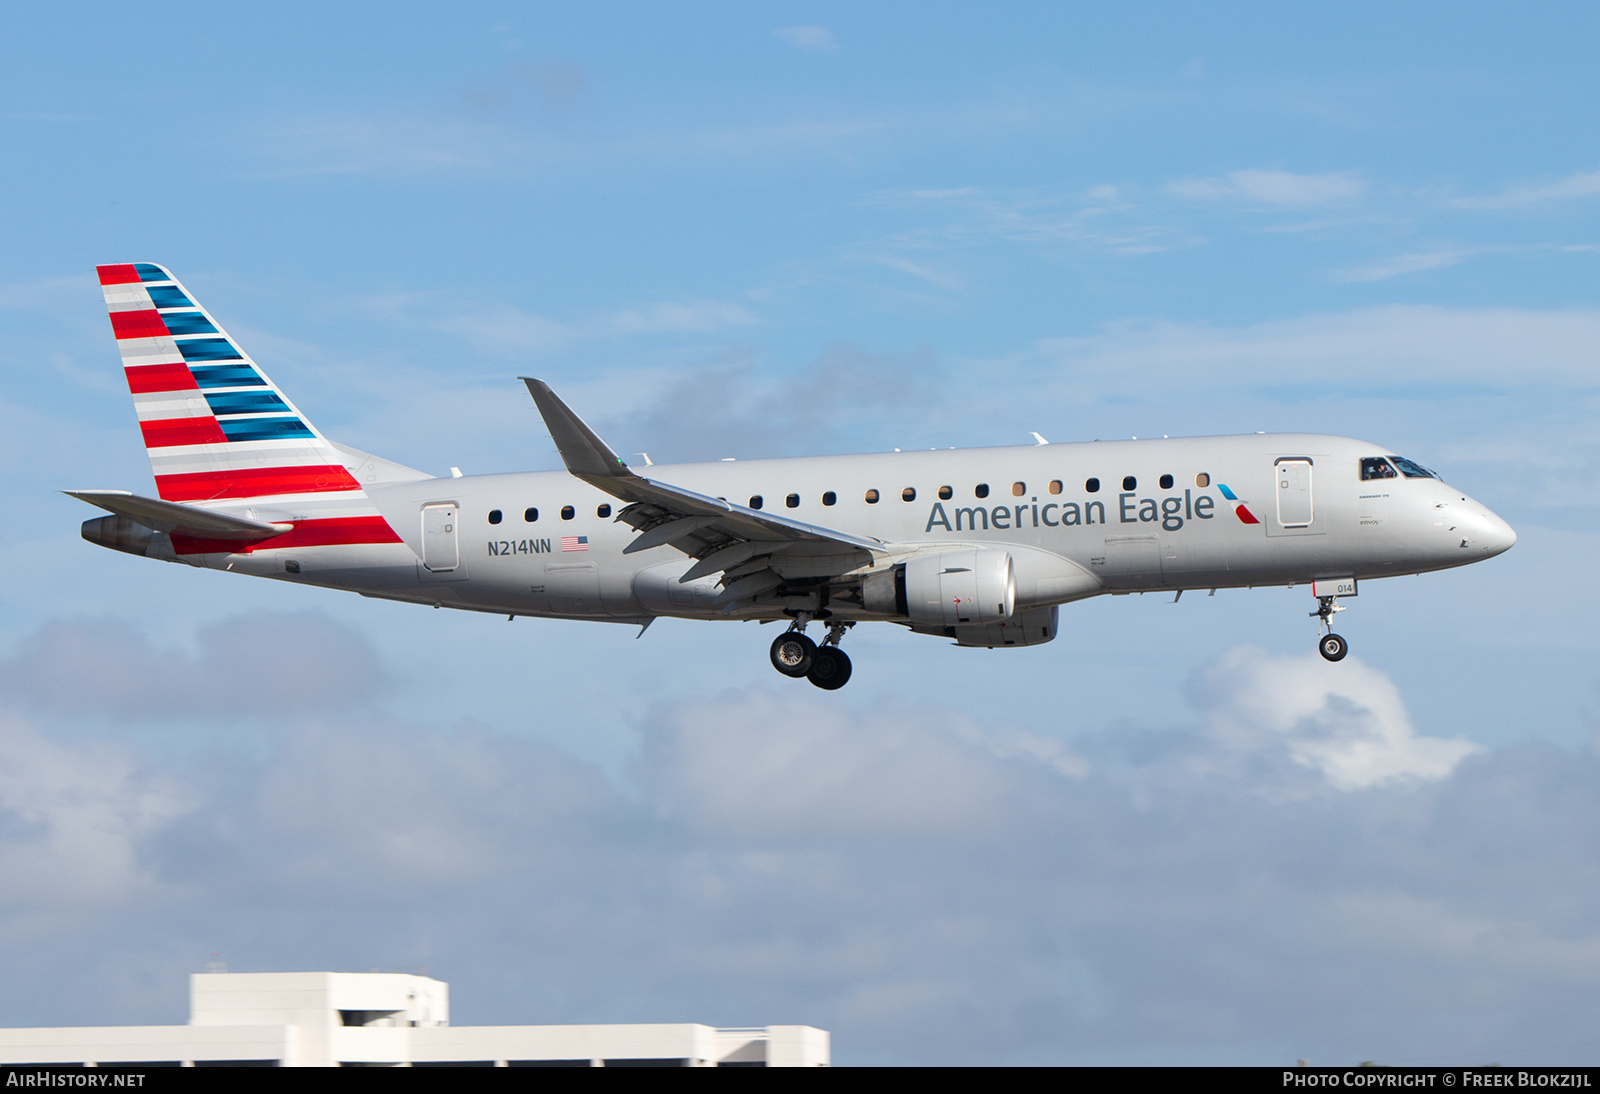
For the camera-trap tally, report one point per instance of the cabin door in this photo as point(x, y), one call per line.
point(441, 548)
point(1293, 480)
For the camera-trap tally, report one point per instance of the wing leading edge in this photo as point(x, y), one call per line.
point(755, 551)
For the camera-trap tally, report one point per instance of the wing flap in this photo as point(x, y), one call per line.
point(723, 558)
point(668, 532)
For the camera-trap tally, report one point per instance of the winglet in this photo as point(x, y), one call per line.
point(584, 453)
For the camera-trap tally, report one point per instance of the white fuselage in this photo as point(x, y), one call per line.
point(496, 542)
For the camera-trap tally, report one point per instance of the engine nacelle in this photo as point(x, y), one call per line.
point(965, 586)
point(118, 533)
point(1032, 627)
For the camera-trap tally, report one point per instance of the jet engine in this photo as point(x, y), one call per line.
point(118, 533)
point(974, 585)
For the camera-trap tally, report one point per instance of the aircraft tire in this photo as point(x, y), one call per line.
point(830, 670)
point(792, 653)
point(1333, 648)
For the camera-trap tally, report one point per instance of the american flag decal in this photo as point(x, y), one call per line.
point(574, 543)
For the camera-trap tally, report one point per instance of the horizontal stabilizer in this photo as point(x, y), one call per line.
point(168, 516)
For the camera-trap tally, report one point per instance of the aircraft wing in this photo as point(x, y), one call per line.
point(169, 516)
point(755, 551)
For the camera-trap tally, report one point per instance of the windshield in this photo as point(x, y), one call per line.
point(1412, 470)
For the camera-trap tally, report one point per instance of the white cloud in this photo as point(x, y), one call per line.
point(1371, 350)
point(312, 662)
point(922, 271)
point(75, 821)
point(1099, 216)
point(666, 318)
point(1282, 189)
point(934, 889)
point(1447, 256)
point(429, 144)
point(362, 145)
point(1407, 264)
point(416, 807)
point(728, 410)
point(49, 294)
point(1573, 186)
point(1347, 721)
point(506, 329)
point(811, 39)
point(764, 768)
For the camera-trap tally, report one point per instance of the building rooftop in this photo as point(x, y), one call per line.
point(344, 1019)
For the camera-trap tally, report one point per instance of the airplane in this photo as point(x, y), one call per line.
point(981, 546)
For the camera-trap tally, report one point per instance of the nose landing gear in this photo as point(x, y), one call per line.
point(1331, 646)
point(827, 666)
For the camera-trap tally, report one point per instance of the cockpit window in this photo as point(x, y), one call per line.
point(1411, 470)
point(1376, 467)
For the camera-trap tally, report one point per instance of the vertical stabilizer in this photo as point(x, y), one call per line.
point(214, 425)
point(218, 431)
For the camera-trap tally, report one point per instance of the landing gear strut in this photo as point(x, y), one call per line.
point(827, 666)
point(830, 671)
point(1330, 645)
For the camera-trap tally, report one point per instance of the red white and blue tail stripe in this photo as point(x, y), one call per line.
point(218, 431)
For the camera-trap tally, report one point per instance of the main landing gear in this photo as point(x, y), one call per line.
point(827, 666)
point(1330, 645)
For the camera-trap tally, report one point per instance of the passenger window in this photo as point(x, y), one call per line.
point(945, 493)
point(1202, 479)
point(603, 511)
point(872, 497)
point(981, 490)
point(1018, 489)
point(1130, 483)
point(829, 498)
point(568, 512)
point(530, 515)
point(1376, 467)
point(1055, 486)
point(792, 501)
point(755, 501)
point(1166, 482)
point(1091, 486)
point(909, 494)
point(494, 516)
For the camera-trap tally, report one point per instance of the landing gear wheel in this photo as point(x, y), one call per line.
point(830, 670)
point(792, 653)
point(1333, 648)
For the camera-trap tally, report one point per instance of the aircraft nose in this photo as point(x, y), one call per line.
point(1489, 534)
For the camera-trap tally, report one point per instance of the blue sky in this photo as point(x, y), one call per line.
point(751, 230)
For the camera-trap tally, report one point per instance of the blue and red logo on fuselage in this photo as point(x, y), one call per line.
point(1244, 514)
